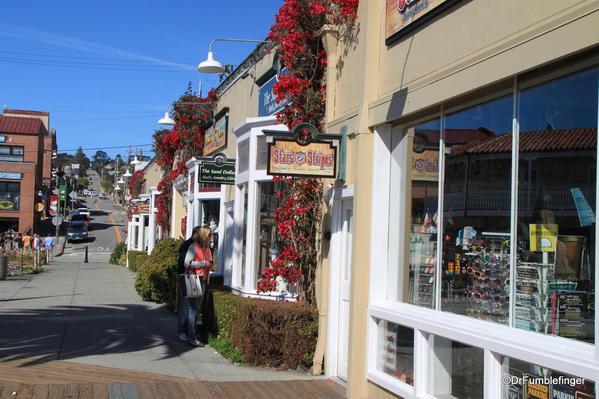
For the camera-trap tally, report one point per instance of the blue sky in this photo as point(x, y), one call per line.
point(94, 106)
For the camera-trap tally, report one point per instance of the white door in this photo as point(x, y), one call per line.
point(345, 248)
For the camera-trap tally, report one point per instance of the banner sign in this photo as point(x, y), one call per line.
point(11, 176)
point(267, 100)
point(53, 204)
point(212, 172)
point(216, 137)
point(403, 16)
point(288, 158)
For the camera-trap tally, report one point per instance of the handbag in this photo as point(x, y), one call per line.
point(193, 286)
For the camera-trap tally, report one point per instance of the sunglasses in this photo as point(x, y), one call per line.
point(475, 272)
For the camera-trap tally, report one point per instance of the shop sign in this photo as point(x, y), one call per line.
point(217, 170)
point(216, 137)
point(302, 152)
point(403, 16)
point(543, 237)
point(267, 100)
point(288, 158)
point(425, 165)
point(11, 176)
point(2, 139)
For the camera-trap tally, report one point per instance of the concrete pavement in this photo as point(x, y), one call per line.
point(90, 313)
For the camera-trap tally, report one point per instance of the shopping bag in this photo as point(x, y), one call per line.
point(193, 286)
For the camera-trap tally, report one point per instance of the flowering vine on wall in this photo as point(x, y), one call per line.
point(175, 147)
point(296, 34)
point(135, 182)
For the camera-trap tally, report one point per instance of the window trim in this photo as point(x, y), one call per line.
point(553, 352)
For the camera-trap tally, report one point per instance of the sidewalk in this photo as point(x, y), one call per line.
point(91, 314)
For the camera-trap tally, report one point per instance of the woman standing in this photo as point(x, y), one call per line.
point(198, 260)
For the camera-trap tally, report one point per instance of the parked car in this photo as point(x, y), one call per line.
point(102, 195)
point(77, 231)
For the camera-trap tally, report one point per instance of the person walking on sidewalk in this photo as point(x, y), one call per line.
point(49, 241)
point(198, 260)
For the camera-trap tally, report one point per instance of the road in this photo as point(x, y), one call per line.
point(107, 227)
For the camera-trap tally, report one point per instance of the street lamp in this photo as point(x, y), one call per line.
point(121, 181)
point(127, 173)
point(167, 120)
point(210, 65)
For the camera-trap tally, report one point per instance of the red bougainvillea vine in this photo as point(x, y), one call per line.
point(296, 34)
point(175, 147)
point(135, 182)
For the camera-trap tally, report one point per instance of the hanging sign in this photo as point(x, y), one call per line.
point(403, 16)
point(216, 137)
point(267, 99)
point(217, 170)
point(288, 158)
point(303, 152)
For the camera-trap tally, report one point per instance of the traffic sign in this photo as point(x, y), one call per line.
point(73, 194)
point(57, 220)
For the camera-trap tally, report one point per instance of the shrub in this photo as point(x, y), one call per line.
point(267, 333)
point(156, 278)
point(117, 254)
point(136, 259)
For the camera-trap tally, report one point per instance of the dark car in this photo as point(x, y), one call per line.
point(81, 217)
point(77, 231)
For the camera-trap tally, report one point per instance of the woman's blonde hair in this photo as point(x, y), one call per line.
point(204, 236)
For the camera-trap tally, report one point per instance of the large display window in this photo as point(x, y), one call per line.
point(486, 234)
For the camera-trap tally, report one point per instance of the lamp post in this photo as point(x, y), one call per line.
point(210, 65)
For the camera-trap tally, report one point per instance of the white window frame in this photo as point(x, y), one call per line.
point(250, 130)
point(573, 357)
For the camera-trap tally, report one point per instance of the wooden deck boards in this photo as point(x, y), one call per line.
point(61, 379)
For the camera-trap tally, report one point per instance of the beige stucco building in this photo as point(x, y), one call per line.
point(428, 313)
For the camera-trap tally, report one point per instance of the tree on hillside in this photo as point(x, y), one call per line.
point(83, 161)
point(63, 159)
point(100, 160)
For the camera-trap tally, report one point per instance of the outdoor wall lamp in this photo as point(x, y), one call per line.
point(210, 65)
point(167, 120)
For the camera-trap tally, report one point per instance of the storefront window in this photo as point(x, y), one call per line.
point(555, 272)
point(244, 189)
point(456, 370)
point(396, 351)
point(268, 238)
point(423, 186)
point(243, 156)
point(210, 218)
point(476, 211)
point(10, 195)
point(262, 153)
point(524, 380)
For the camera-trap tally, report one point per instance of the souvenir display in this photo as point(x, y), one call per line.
point(398, 356)
point(422, 268)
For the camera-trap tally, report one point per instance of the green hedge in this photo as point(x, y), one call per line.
point(156, 278)
point(267, 333)
point(136, 259)
point(117, 254)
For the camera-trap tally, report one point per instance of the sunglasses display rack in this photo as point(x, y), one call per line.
point(485, 260)
point(422, 269)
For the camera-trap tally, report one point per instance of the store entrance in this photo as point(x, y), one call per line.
point(341, 247)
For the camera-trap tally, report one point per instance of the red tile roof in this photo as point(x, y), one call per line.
point(10, 124)
point(537, 141)
point(25, 112)
point(458, 136)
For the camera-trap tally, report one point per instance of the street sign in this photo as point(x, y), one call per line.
point(73, 194)
point(53, 204)
point(57, 220)
point(62, 191)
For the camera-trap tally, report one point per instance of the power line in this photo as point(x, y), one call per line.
point(79, 58)
point(92, 67)
point(106, 119)
point(107, 148)
point(58, 62)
